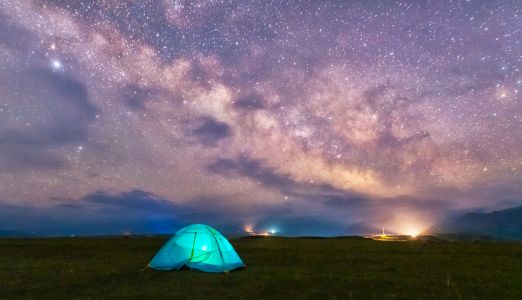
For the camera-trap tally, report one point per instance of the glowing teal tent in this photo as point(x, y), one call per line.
point(198, 247)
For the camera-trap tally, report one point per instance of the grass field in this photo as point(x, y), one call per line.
point(277, 268)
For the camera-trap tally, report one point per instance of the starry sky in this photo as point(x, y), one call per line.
point(304, 117)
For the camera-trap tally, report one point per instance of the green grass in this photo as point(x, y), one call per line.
point(277, 268)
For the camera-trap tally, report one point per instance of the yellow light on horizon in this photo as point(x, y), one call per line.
point(413, 231)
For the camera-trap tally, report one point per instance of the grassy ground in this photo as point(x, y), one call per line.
point(277, 268)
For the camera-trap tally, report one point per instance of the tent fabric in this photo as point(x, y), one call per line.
point(199, 247)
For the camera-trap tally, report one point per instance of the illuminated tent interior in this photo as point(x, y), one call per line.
point(199, 247)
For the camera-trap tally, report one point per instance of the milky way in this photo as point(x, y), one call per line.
point(308, 116)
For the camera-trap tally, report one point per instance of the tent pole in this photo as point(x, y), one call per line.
point(219, 249)
point(193, 244)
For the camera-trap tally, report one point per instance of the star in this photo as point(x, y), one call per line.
point(56, 65)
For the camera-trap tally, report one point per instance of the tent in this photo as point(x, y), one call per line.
point(198, 247)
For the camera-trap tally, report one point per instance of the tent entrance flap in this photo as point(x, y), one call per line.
point(219, 248)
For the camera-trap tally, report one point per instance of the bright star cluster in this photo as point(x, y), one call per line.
point(349, 111)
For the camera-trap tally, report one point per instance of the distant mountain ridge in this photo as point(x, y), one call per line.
point(362, 229)
point(503, 224)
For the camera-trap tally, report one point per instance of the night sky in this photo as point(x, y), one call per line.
point(304, 117)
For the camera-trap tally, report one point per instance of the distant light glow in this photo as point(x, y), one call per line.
point(248, 228)
point(413, 231)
